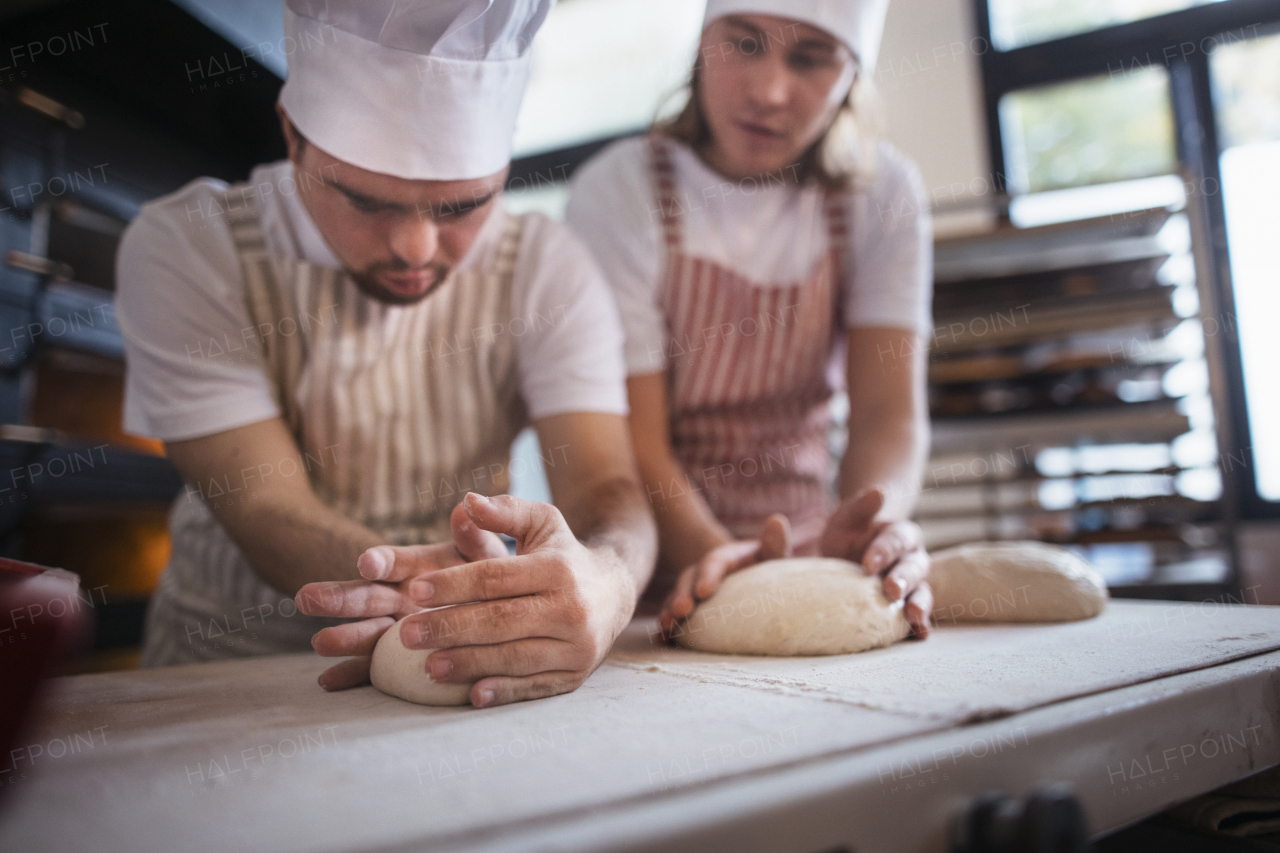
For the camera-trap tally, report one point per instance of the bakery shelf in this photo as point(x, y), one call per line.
point(1149, 422)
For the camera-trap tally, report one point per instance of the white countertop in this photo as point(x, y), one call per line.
point(661, 747)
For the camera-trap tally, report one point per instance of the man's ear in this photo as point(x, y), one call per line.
point(292, 139)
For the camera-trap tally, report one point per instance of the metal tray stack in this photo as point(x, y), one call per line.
point(1054, 416)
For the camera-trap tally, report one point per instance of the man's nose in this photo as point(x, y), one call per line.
point(414, 241)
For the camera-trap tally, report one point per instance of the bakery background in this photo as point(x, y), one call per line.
point(1103, 185)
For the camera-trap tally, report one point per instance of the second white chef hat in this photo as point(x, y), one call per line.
point(858, 23)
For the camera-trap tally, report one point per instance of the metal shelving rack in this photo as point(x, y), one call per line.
point(86, 137)
point(1049, 404)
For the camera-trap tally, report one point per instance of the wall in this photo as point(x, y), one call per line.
point(931, 87)
point(1259, 544)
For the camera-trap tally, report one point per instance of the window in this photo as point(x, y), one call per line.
point(1099, 107)
point(1246, 94)
point(601, 69)
point(1015, 23)
point(606, 67)
point(1093, 131)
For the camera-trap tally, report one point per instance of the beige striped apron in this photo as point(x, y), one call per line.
point(398, 411)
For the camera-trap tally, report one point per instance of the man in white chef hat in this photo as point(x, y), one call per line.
point(338, 351)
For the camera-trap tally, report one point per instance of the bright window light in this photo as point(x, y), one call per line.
point(1015, 23)
point(604, 67)
point(1246, 78)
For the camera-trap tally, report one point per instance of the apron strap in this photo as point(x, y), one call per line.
point(265, 299)
point(239, 202)
point(509, 248)
point(663, 174)
point(836, 207)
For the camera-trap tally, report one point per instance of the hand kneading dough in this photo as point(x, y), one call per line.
point(801, 606)
point(1014, 582)
point(402, 672)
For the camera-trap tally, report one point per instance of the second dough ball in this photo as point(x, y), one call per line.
point(799, 606)
point(1014, 582)
point(402, 672)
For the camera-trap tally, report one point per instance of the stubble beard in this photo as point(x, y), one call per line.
point(367, 281)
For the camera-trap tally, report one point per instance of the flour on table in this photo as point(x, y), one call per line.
point(800, 606)
point(1014, 582)
point(402, 672)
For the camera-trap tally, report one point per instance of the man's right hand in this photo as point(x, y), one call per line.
point(702, 579)
point(384, 596)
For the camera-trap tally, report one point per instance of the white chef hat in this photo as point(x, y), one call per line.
point(858, 23)
point(412, 88)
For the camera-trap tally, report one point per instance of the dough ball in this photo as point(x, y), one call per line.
point(1014, 582)
point(402, 672)
point(801, 606)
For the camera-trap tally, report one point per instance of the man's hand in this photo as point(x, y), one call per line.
point(700, 581)
point(893, 549)
point(527, 626)
point(392, 576)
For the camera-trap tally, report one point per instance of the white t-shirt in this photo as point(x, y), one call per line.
point(767, 231)
point(182, 308)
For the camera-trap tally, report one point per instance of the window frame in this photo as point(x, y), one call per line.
point(1120, 48)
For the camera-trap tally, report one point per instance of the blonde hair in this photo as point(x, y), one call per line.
point(842, 158)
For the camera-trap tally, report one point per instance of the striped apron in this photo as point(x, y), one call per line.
point(751, 368)
point(398, 412)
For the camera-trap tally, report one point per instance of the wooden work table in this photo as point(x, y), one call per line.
point(1151, 703)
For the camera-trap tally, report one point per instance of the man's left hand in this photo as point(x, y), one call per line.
point(385, 595)
point(527, 626)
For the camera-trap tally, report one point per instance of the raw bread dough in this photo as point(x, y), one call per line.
point(402, 672)
point(800, 606)
point(1014, 582)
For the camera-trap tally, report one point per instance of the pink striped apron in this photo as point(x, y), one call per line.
point(751, 368)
